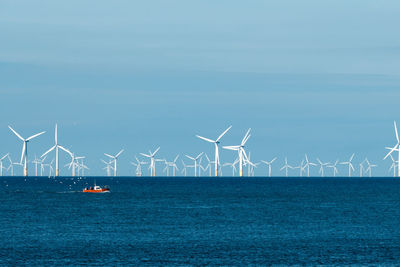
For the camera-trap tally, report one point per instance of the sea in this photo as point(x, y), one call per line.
point(189, 221)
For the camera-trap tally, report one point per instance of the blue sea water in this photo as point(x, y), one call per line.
point(200, 221)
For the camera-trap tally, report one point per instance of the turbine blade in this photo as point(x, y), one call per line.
point(244, 140)
point(155, 152)
point(33, 136)
point(108, 155)
point(145, 155)
point(397, 134)
point(391, 151)
point(205, 139)
point(66, 150)
point(17, 134)
point(47, 152)
point(219, 137)
point(119, 153)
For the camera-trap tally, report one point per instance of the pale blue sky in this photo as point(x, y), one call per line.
point(316, 77)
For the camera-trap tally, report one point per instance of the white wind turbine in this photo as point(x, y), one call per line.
point(173, 165)
point(349, 163)
point(108, 166)
point(393, 166)
point(241, 153)
point(1, 164)
point(56, 147)
point(216, 143)
point(114, 158)
point(138, 164)
point(322, 165)
point(209, 164)
point(24, 155)
point(286, 167)
point(334, 167)
point(370, 166)
point(395, 148)
point(269, 163)
point(308, 164)
point(195, 162)
point(232, 165)
point(301, 168)
point(152, 161)
point(74, 163)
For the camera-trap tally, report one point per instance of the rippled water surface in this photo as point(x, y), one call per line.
point(200, 221)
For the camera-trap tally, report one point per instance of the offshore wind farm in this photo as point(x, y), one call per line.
point(76, 166)
point(199, 133)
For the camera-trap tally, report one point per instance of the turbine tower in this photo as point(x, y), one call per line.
point(114, 158)
point(24, 155)
point(56, 147)
point(216, 143)
point(395, 148)
point(241, 153)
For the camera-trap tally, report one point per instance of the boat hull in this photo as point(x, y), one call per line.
point(103, 190)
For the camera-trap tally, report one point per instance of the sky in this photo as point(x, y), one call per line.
point(315, 77)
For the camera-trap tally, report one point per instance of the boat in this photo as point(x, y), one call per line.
point(96, 189)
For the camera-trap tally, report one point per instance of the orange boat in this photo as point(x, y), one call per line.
point(96, 189)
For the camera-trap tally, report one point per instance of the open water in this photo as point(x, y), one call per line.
point(200, 221)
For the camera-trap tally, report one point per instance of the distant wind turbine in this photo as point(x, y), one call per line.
point(269, 163)
point(1, 164)
point(286, 167)
point(240, 149)
point(151, 156)
point(322, 165)
point(216, 143)
point(395, 148)
point(349, 163)
point(114, 158)
point(56, 147)
point(24, 155)
point(195, 162)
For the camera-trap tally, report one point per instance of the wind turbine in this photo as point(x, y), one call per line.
point(232, 165)
point(308, 164)
point(269, 163)
point(370, 166)
point(108, 166)
point(301, 168)
point(114, 158)
point(216, 143)
point(209, 164)
point(286, 167)
point(250, 165)
point(395, 148)
point(240, 149)
point(152, 161)
point(349, 164)
point(184, 169)
point(138, 165)
point(322, 165)
point(393, 166)
point(74, 163)
point(24, 155)
point(12, 165)
point(335, 170)
point(56, 147)
point(1, 164)
point(195, 162)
